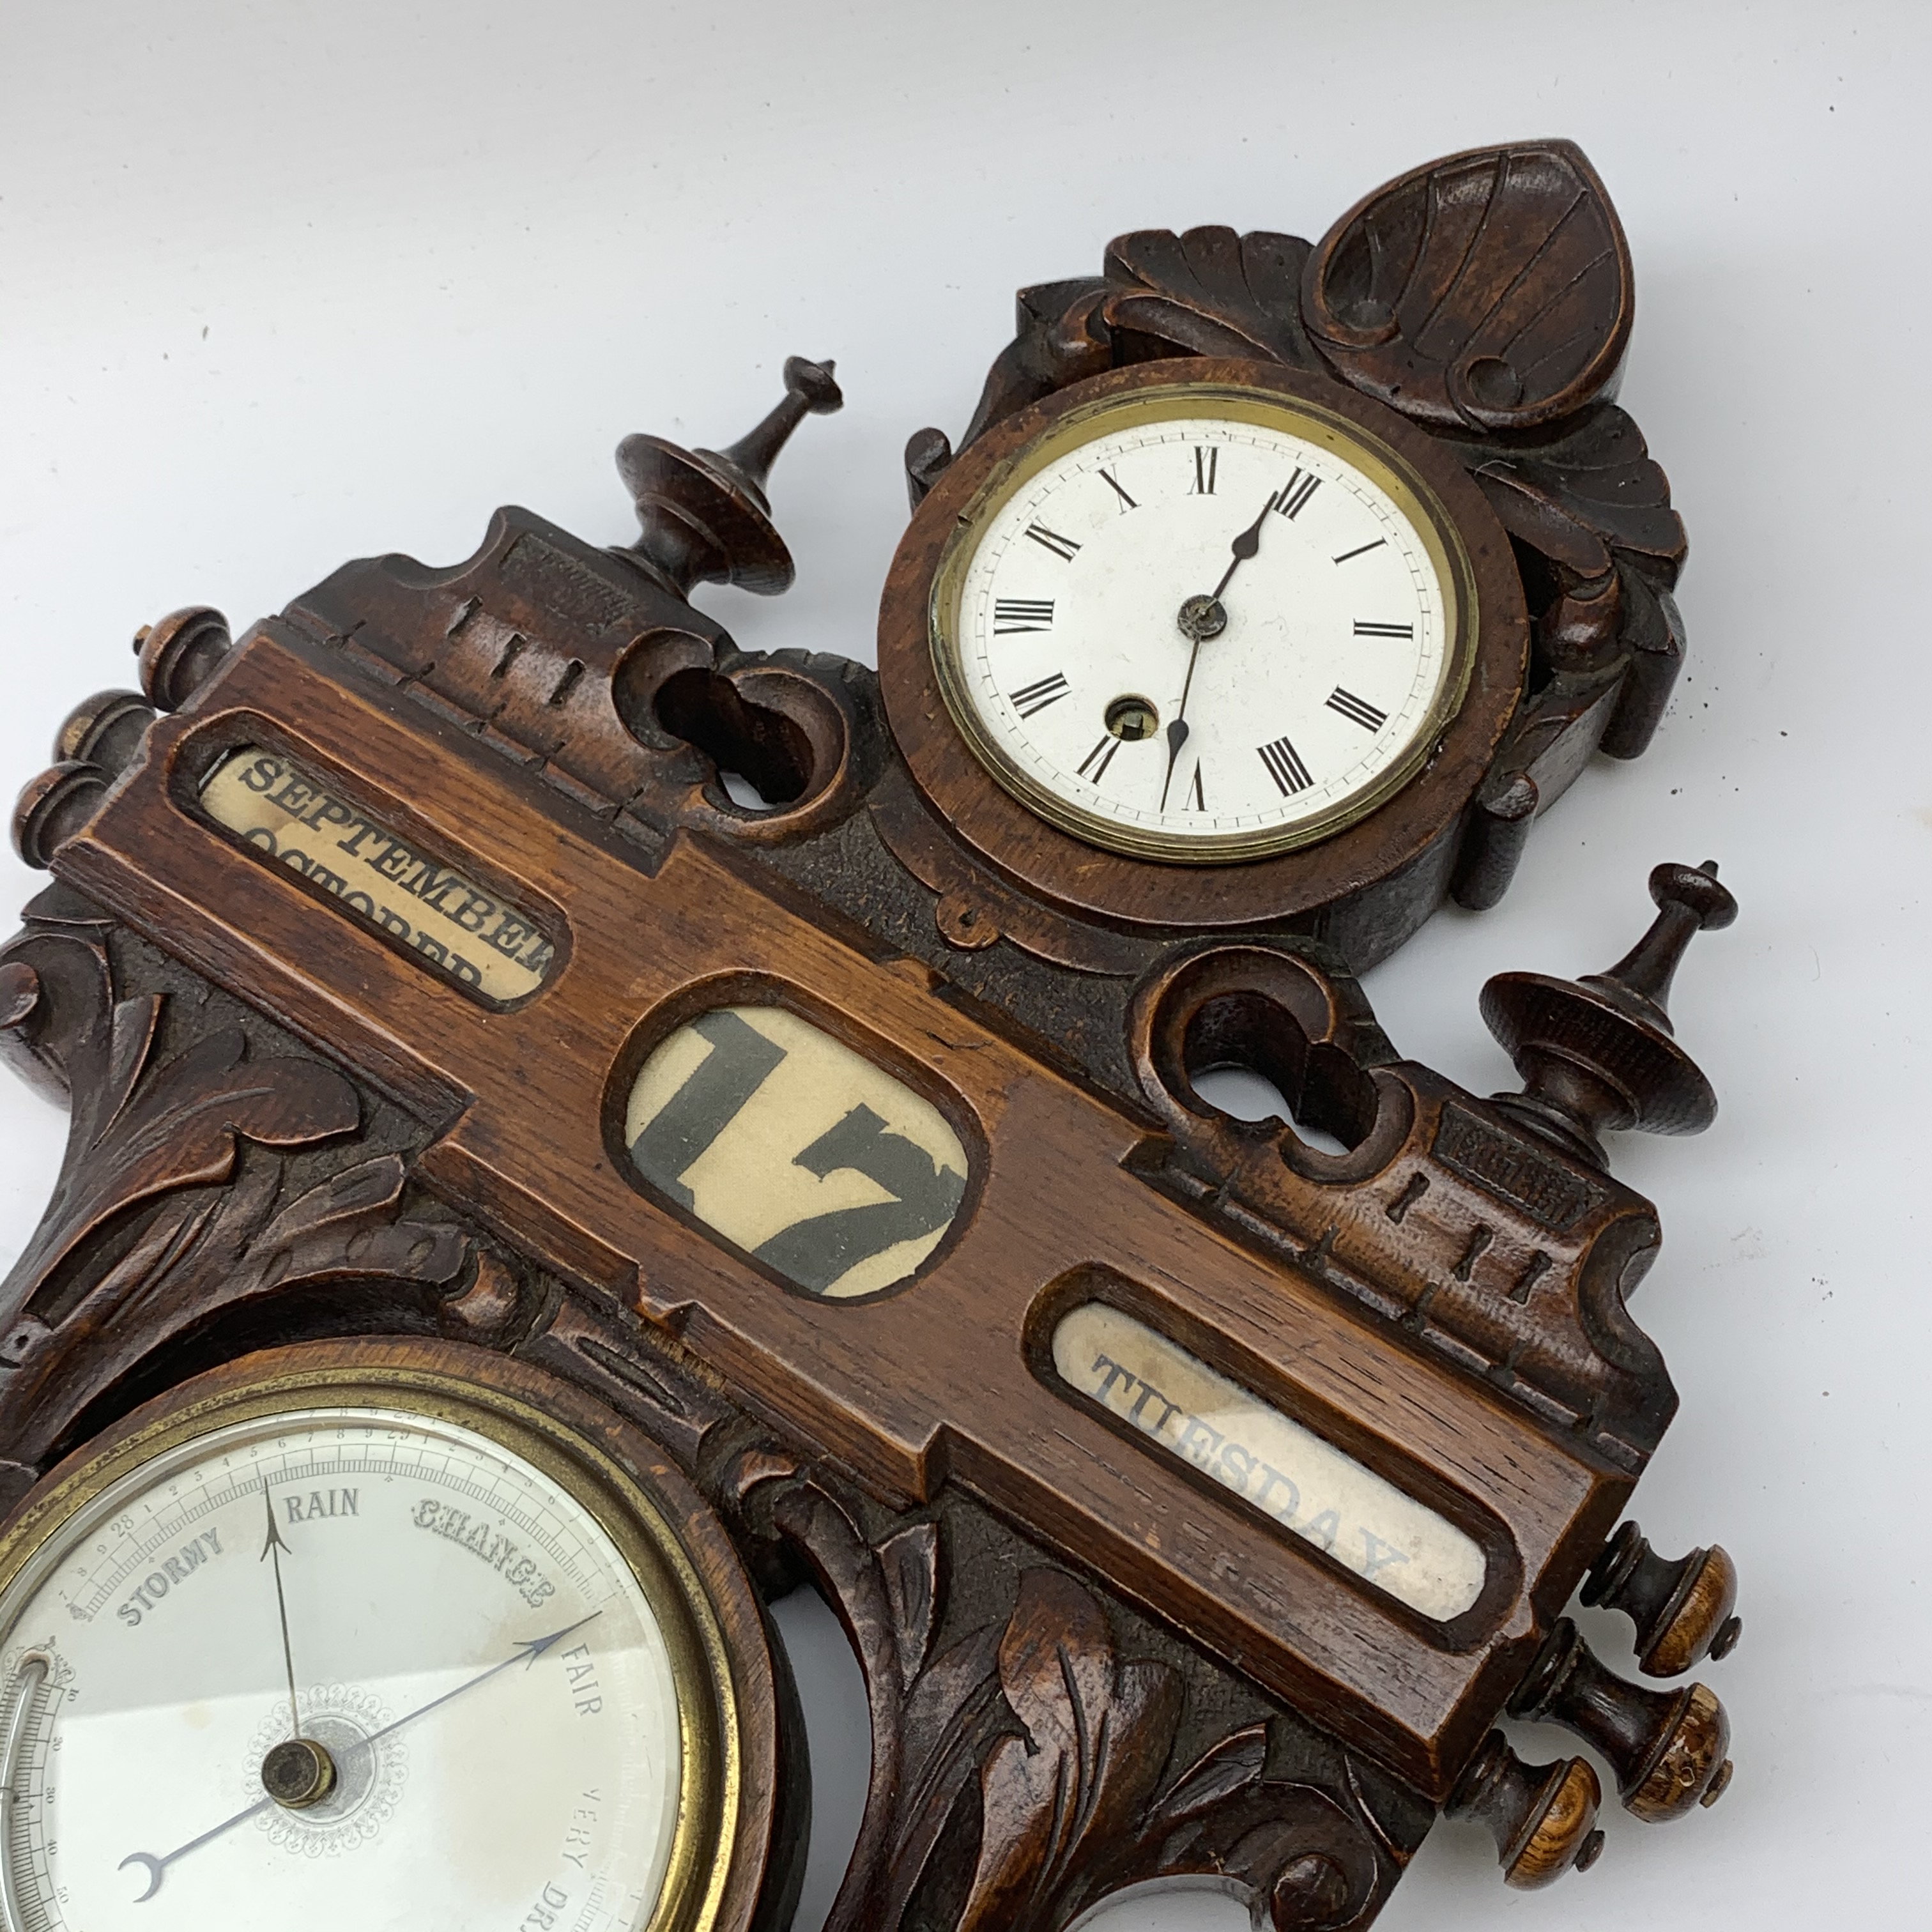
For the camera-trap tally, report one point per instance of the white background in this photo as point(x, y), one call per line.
point(281, 285)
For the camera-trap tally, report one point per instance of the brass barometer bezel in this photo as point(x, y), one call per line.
point(529, 1415)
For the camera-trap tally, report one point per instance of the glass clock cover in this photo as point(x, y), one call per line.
point(1200, 625)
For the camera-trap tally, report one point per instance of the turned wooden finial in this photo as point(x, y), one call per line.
point(106, 729)
point(703, 514)
point(1597, 1054)
point(1543, 1816)
point(1667, 1747)
point(1684, 1612)
point(181, 653)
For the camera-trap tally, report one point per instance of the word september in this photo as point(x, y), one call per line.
point(447, 921)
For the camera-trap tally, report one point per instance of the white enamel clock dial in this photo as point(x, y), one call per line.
point(1203, 625)
point(490, 1683)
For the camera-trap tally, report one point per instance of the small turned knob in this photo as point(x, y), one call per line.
point(1543, 1816)
point(1597, 1054)
point(703, 514)
point(1667, 1747)
point(53, 807)
point(1684, 1612)
point(106, 730)
point(179, 654)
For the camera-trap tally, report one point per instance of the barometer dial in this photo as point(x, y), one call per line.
point(371, 1657)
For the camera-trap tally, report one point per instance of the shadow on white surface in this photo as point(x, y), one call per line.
point(1188, 1906)
point(1250, 1096)
point(831, 1693)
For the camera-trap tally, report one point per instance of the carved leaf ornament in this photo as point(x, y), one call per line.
point(1488, 295)
point(1210, 292)
point(140, 1131)
point(1492, 289)
point(1098, 1730)
point(1067, 1740)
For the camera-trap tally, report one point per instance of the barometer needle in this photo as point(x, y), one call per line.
point(274, 1548)
point(526, 1653)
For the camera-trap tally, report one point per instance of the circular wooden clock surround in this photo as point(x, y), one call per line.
point(1090, 879)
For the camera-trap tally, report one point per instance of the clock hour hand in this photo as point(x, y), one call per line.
point(1245, 546)
point(1176, 736)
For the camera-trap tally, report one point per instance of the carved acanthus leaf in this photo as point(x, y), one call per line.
point(1066, 1740)
point(1210, 292)
point(1227, 1766)
point(178, 1130)
point(206, 1254)
point(1098, 1732)
point(932, 1723)
point(77, 1315)
point(909, 1567)
point(1579, 496)
point(1305, 1860)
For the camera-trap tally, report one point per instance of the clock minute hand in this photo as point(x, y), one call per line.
point(526, 1653)
point(1202, 618)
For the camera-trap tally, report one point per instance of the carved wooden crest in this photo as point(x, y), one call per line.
point(828, 1186)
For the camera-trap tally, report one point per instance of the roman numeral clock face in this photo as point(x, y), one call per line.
point(1205, 625)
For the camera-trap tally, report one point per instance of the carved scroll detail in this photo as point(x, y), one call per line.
point(98, 1289)
point(1069, 1743)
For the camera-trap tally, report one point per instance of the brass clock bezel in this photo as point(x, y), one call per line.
point(527, 1414)
point(1180, 399)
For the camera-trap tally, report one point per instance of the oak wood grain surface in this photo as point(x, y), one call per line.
point(904, 1389)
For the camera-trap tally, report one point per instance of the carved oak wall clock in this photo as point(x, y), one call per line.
point(524, 1207)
